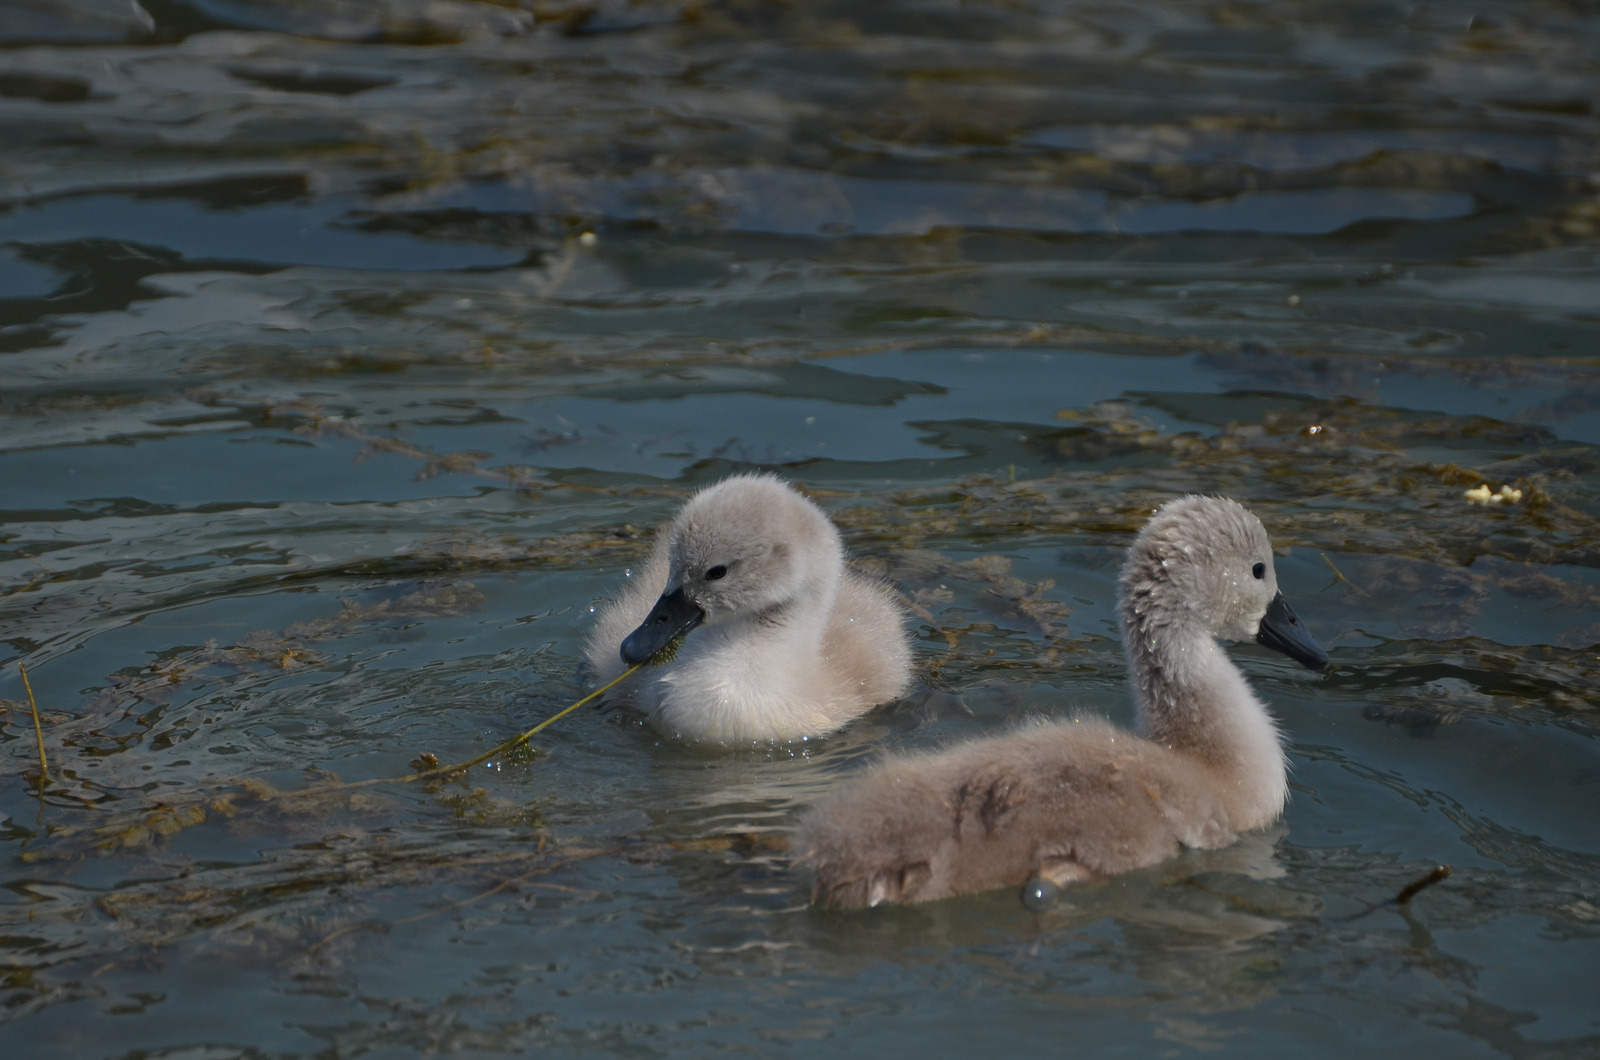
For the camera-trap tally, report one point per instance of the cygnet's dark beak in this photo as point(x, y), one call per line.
point(673, 614)
point(1281, 630)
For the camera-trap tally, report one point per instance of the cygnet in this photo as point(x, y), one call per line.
point(1061, 801)
point(781, 641)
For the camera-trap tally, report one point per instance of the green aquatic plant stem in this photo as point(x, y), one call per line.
point(1338, 576)
point(437, 773)
point(462, 767)
point(38, 730)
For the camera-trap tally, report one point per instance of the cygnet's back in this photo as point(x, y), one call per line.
point(1068, 801)
point(780, 640)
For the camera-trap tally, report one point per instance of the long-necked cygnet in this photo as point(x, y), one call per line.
point(1057, 802)
point(783, 642)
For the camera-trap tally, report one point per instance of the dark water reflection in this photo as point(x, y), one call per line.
point(348, 352)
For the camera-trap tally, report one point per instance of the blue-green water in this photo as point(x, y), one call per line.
point(348, 353)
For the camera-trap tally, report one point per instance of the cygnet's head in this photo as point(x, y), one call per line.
point(745, 547)
point(1205, 564)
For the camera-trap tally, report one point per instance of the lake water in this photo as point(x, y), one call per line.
point(349, 352)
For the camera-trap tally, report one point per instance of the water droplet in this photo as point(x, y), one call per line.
point(1039, 894)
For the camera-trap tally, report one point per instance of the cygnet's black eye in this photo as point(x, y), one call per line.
point(719, 571)
point(1259, 570)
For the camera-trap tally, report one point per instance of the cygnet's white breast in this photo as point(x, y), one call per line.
point(779, 640)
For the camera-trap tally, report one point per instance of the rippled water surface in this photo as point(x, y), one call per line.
point(349, 352)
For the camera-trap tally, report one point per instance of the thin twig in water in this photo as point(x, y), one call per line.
point(38, 731)
point(1437, 873)
point(1408, 892)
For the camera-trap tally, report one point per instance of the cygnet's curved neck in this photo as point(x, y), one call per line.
point(1193, 699)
